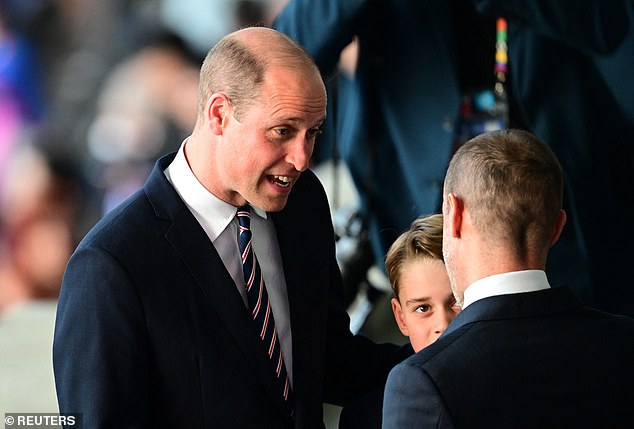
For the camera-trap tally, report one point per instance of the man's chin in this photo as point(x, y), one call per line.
point(271, 204)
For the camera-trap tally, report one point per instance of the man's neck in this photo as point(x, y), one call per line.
point(490, 263)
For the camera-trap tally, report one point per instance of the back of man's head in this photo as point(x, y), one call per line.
point(512, 185)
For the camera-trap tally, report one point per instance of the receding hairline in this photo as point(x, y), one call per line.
point(238, 63)
point(272, 47)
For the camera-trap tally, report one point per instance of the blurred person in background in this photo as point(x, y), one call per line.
point(39, 206)
point(146, 106)
point(38, 211)
point(420, 73)
point(22, 101)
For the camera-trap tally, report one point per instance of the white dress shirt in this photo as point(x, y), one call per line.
point(219, 221)
point(506, 283)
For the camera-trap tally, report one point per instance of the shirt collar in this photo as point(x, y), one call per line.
point(216, 213)
point(259, 211)
point(505, 283)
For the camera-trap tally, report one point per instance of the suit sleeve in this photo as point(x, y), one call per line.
point(100, 345)
point(594, 26)
point(354, 365)
point(411, 400)
point(323, 27)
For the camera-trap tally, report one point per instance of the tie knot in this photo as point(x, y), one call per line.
point(244, 216)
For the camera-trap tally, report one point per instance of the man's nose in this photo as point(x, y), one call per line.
point(299, 153)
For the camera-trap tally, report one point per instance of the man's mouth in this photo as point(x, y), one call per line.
point(282, 181)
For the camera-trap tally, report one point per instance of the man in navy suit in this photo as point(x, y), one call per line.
point(153, 328)
point(520, 354)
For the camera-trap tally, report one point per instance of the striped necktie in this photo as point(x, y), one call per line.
point(258, 300)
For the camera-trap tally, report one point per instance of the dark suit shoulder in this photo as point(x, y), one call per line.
point(574, 363)
point(150, 210)
point(121, 224)
point(434, 353)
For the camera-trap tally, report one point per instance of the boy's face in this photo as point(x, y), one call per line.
point(425, 305)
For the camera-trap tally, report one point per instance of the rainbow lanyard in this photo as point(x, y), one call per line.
point(486, 110)
point(501, 56)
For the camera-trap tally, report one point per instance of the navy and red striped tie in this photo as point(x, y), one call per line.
point(258, 300)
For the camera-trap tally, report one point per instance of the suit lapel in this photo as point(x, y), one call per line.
point(203, 262)
point(299, 312)
point(300, 239)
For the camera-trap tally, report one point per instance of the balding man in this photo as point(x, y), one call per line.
point(168, 319)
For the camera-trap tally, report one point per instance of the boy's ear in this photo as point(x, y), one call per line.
point(398, 315)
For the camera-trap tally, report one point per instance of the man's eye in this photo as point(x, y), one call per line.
point(314, 132)
point(282, 131)
point(422, 308)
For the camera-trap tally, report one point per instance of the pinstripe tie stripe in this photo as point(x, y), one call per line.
point(258, 300)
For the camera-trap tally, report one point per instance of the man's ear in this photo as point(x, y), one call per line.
point(455, 212)
point(398, 315)
point(559, 227)
point(217, 109)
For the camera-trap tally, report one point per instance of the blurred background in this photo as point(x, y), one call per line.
point(92, 92)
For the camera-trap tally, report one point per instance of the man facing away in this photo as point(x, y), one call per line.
point(520, 354)
point(212, 297)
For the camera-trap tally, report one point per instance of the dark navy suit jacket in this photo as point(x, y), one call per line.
point(530, 360)
point(151, 331)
